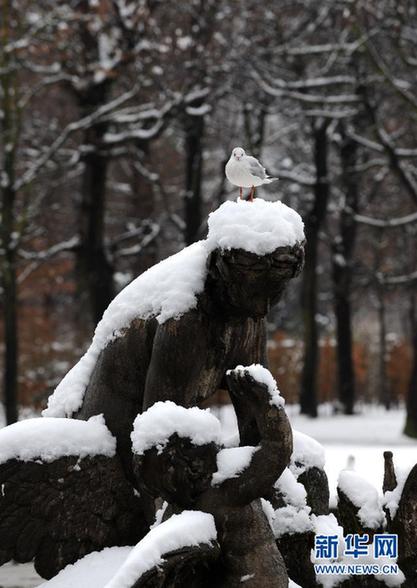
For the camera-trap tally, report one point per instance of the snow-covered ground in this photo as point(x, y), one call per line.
point(18, 576)
point(363, 437)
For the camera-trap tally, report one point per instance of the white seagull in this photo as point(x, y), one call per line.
point(245, 171)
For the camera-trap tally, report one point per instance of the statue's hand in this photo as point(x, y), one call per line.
point(254, 386)
point(244, 387)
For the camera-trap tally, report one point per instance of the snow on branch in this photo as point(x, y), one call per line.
point(142, 133)
point(332, 114)
point(155, 229)
point(386, 223)
point(402, 152)
point(388, 145)
point(313, 82)
point(405, 279)
point(318, 49)
point(396, 84)
point(306, 98)
point(68, 245)
point(71, 128)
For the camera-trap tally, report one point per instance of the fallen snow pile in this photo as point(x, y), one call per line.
point(155, 426)
point(264, 376)
point(171, 288)
point(231, 462)
point(364, 496)
point(92, 571)
point(50, 438)
point(307, 453)
point(190, 528)
point(392, 498)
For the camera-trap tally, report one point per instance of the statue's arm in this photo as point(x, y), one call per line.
point(274, 446)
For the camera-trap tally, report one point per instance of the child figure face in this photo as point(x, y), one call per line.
point(179, 473)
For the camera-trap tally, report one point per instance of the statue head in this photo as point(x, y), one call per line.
point(174, 451)
point(244, 283)
point(256, 247)
point(179, 473)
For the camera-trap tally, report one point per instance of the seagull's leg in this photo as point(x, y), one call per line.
point(241, 192)
point(251, 193)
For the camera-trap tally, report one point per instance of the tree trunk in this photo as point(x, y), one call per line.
point(313, 223)
point(342, 277)
point(194, 132)
point(9, 132)
point(384, 393)
point(410, 428)
point(254, 121)
point(9, 308)
point(95, 270)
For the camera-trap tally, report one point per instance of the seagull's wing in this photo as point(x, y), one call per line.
point(255, 168)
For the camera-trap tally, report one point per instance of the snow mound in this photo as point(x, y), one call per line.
point(295, 516)
point(154, 427)
point(292, 491)
point(264, 376)
point(307, 453)
point(92, 571)
point(170, 288)
point(259, 227)
point(364, 496)
point(50, 438)
point(291, 520)
point(231, 462)
point(190, 528)
point(391, 498)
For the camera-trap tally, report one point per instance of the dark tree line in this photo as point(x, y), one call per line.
point(123, 115)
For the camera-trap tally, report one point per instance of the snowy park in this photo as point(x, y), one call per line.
point(208, 302)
